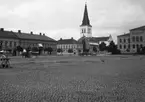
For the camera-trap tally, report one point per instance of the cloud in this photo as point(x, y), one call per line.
point(61, 18)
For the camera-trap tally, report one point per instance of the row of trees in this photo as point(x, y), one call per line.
point(110, 48)
point(60, 50)
point(33, 49)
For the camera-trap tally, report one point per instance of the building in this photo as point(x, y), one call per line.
point(66, 44)
point(11, 40)
point(85, 27)
point(8, 40)
point(123, 43)
point(132, 41)
point(86, 32)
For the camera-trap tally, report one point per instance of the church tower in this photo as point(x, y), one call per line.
point(85, 27)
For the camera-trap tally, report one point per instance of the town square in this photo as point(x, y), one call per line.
point(72, 51)
point(74, 79)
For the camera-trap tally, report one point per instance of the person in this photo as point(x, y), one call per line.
point(4, 60)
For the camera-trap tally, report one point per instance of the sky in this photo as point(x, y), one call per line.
point(62, 18)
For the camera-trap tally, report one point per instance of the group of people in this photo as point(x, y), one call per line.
point(28, 54)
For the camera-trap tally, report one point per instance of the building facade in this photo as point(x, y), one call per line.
point(66, 44)
point(135, 39)
point(11, 40)
point(123, 43)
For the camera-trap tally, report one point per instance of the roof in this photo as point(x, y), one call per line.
point(68, 41)
point(95, 39)
point(86, 21)
point(8, 34)
point(138, 28)
point(124, 35)
point(33, 36)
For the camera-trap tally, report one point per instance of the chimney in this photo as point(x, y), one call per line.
point(19, 31)
point(43, 34)
point(2, 29)
point(31, 33)
point(40, 34)
point(71, 37)
point(60, 38)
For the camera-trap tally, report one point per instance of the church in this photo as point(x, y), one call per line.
point(86, 32)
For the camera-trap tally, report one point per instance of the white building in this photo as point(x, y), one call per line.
point(132, 41)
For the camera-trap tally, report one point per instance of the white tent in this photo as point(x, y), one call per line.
point(40, 45)
point(93, 43)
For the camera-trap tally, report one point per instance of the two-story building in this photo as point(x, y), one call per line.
point(123, 43)
point(66, 44)
point(11, 40)
point(132, 41)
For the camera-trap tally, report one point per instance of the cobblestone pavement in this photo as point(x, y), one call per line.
point(74, 79)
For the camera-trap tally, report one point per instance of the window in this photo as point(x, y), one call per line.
point(137, 38)
point(124, 46)
point(15, 44)
point(137, 46)
point(10, 43)
point(133, 46)
point(6, 43)
point(141, 45)
point(84, 30)
point(128, 40)
point(133, 39)
point(141, 38)
point(1, 43)
point(120, 40)
point(124, 40)
point(129, 46)
point(120, 46)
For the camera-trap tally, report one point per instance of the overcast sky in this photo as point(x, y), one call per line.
point(61, 18)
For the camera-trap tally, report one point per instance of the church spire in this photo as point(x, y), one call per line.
point(86, 21)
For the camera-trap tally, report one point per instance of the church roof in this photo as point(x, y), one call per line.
point(95, 39)
point(67, 41)
point(86, 21)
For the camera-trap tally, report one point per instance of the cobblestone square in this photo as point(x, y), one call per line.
point(74, 79)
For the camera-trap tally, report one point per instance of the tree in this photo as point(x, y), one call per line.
point(70, 50)
point(113, 48)
point(19, 49)
point(59, 50)
point(94, 49)
point(49, 50)
point(102, 46)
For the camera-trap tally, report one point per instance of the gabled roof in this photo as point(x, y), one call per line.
point(95, 39)
point(8, 34)
point(138, 28)
point(86, 21)
point(124, 35)
point(67, 41)
point(33, 37)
